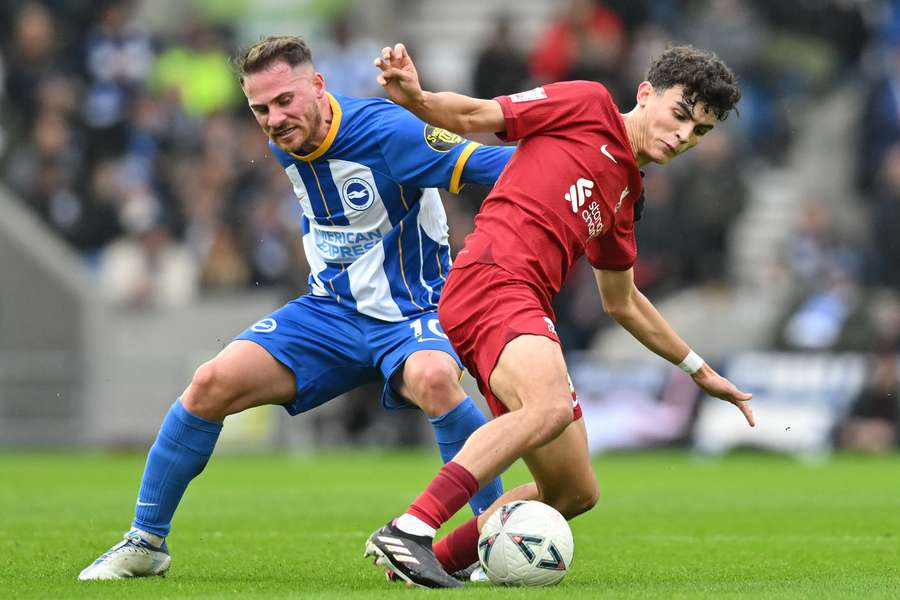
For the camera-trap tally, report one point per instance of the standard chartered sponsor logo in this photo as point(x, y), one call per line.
point(346, 244)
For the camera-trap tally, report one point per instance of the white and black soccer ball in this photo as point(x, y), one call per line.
point(526, 543)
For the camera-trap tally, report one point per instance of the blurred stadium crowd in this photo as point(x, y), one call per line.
point(136, 146)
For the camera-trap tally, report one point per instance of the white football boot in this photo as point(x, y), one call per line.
point(132, 557)
point(478, 575)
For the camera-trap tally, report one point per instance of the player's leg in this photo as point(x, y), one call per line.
point(563, 478)
point(422, 368)
point(530, 378)
point(242, 376)
point(279, 360)
point(430, 379)
point(563, 461)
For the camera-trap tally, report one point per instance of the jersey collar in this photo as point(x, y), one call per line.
point(329, 137)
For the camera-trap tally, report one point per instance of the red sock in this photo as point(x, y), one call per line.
point(459, 548)
point(447, 493)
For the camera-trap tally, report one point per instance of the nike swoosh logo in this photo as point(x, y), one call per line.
point(607, 154)
point(139, 503)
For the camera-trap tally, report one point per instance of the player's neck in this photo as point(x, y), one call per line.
point(635, 135)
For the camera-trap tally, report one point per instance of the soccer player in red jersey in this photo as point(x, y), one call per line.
point(569, 190)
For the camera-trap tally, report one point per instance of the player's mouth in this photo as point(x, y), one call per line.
point(670, 150)
point(284, 133)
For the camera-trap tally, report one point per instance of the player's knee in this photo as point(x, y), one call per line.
point(582, 500)
point(208, 395)
point(577, 499)
point(434, 385)
point(550, 419)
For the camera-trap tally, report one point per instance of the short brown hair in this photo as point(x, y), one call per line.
point(706, 79)
point(291, 49)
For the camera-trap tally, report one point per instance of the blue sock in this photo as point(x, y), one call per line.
point(181, 451)
point(451, 430)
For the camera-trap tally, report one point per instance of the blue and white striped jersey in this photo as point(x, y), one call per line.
point(374, 229)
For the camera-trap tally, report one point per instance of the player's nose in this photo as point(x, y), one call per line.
point(275, 117)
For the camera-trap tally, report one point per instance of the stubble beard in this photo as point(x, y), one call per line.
point(314, 118)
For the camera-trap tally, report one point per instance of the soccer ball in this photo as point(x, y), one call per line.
point(526, 543)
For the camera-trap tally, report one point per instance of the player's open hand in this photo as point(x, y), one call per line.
point(398, 75)
point(718, 387)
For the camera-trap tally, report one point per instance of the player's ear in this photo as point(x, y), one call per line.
point(319, 84)
point(644, 91)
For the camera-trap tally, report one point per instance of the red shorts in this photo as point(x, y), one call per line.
point(481, 310)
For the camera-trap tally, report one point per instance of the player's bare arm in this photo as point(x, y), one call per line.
point(633, 311)
point(455, 112)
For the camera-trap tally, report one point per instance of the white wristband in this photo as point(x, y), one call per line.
point(691, 363)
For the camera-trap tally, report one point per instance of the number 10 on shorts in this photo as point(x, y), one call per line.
point(434, 328)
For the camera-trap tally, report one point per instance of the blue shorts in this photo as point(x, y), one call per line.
point(332, 349)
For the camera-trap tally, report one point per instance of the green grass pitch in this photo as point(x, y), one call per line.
point(668, 526)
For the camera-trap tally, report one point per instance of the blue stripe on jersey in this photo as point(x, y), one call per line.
point(337, 280)
point(434, 269)
point(390, 197)
point(304, 224)
point(332, 197)
point(444, 261)
point(315, 193)
point(412, 260)
point(401, 264)
point(410, 196)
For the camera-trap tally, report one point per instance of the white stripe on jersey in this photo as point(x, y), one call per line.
point(316, 266)
point(370, 286)
point(372, 218)
point(300, 190)
point(432, 220)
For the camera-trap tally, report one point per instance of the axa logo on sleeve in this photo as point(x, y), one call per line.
point(576, 196)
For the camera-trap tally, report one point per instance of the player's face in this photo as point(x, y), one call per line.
point(286, 103)
point(670, 125)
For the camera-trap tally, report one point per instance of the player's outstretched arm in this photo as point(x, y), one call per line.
point(458, 113)
point(633, 311)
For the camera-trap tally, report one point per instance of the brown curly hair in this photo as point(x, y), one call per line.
point(706, 79)
point(291, 49)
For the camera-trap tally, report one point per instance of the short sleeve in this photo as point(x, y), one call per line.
point(615, 251)
point(551, 108)
point(422, 155)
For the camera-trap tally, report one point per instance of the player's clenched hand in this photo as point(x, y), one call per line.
point(718, 387)
point(398, 75)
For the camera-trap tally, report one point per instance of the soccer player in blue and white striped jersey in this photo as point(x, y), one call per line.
point(364, 171)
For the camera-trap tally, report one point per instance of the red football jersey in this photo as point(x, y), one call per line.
point(568, 190)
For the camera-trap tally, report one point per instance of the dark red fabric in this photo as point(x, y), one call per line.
point(449, 491)
point(459, 548)
point(569, 190)
point(480, 324)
